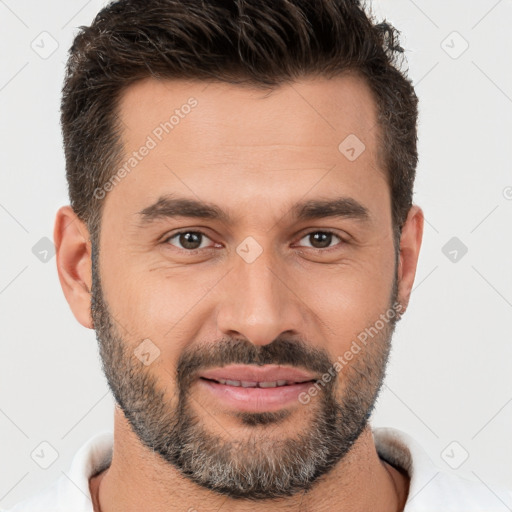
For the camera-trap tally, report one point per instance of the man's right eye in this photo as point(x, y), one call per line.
point(188, 240)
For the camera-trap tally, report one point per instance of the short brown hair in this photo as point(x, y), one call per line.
point(248, 42)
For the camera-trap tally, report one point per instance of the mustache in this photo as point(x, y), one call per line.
point(281, 351)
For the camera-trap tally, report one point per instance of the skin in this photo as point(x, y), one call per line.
point(255, 155)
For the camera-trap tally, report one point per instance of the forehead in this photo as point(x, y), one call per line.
point(315, 110)
point(212, 139)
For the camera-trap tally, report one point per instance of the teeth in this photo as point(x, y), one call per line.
point(246, 384)
point(250, 384)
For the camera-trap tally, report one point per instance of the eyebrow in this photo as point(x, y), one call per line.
point(170, 206)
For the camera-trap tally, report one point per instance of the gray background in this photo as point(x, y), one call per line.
point(449, 382)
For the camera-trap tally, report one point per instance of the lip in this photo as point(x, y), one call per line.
point(252, 373)
point(256, 399)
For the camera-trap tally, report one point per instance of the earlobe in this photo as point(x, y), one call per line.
point(73, 256)
point(410, 244)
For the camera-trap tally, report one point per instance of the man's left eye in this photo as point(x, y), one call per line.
point(321, 239)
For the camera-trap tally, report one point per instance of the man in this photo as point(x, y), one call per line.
point(242, 238)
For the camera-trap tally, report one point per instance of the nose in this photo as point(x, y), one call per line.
point(259, 302)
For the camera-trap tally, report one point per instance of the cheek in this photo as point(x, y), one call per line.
point(152, 306)
point(159, 303)
point(348, 299)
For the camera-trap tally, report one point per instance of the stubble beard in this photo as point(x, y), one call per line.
point(262, 464)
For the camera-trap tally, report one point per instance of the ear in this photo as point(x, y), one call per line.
point(410, 243)
point(73, 255)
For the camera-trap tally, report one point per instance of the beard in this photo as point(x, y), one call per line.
point(260, 465)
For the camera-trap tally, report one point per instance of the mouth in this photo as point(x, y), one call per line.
point(252, 384)
point(256, 389)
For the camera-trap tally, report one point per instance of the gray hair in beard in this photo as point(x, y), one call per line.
point(260, 465)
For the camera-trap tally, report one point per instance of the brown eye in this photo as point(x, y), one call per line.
point(321, 239)
point(188, 240)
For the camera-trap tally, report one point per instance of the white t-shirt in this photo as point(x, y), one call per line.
point(431, 489)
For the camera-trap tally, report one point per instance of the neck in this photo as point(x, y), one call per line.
point(138, 479)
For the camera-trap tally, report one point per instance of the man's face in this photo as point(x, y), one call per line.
point(260, 287)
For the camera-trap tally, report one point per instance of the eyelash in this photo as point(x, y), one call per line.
point(194, 251)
